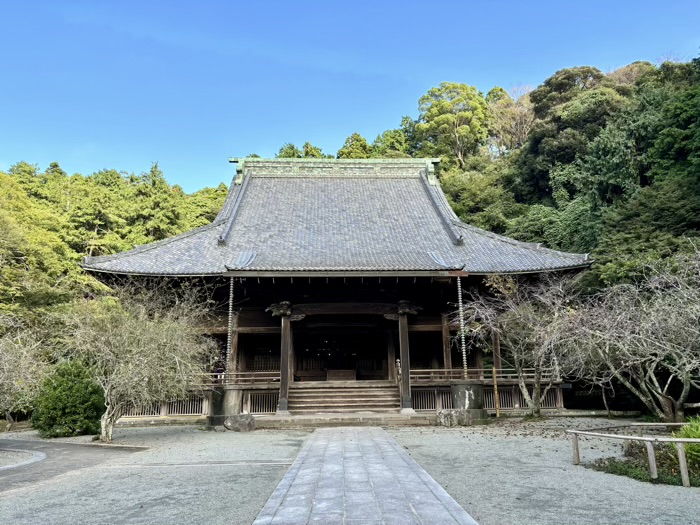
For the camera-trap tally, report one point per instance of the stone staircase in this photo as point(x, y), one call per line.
point(344, 397)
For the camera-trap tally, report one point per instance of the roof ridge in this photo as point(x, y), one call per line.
point(313, 160)
point(235, 207)
point(149, 246)
point(534, 246)
point(446, 221)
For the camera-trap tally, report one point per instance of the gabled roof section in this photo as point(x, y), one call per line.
point(286, 216)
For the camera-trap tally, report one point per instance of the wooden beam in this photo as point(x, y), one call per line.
point(424, 327)
point(340, 273)
point(259, 330)
point(343, 308)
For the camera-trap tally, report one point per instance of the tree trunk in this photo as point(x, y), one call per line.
point(536, 399)
point(8, 420)
point(107, 425)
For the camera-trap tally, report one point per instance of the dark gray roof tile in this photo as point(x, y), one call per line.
point(335, 215)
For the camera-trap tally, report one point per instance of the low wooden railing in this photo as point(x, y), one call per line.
point(251, 378)
point(508, 374)
point(647, 440)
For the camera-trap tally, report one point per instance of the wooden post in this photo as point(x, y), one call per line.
point(560, 397)
point(286, 352)
point(496, 346)
point(232, 364)
point(391, 355)
point(479, 357)
point(446, 343)
point(683, 464)
point(406, 404)
point(651, 454)
point(574, 442)
point(496, 400)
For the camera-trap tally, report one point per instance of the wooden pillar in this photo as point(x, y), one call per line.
point(391, 355)
point(285, 357)
point(232, 365)
point(479, 358)
point(496, 346)
point(446, 343)
point(406, 404)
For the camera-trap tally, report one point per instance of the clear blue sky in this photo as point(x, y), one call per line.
point(119, 85)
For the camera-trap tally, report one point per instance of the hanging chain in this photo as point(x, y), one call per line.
point(462, 335)
point(230, 325)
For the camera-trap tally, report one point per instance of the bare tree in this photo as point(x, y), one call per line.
point(142, 346)
point(512, 118)
point(22, 371)
point(646, 335)
point(529, 315)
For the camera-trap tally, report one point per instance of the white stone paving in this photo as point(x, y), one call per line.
point(359, 476)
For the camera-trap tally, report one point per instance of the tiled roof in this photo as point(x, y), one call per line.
point(300, 215)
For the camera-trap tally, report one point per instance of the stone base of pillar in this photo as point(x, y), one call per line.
point(466, 394)
point(283, 407)
point(408, 411)
point(462, 417)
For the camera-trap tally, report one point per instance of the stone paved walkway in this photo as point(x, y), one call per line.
point(359, 476)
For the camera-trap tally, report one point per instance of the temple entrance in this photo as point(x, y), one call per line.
point(341, 348)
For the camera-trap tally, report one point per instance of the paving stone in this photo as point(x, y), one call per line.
point(359, 476)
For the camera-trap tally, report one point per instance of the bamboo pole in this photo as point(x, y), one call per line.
point(496, 400)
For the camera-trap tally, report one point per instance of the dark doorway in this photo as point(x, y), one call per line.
point(342, 348)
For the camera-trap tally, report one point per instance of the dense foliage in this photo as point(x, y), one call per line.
point(69, 403)
point(49, 220)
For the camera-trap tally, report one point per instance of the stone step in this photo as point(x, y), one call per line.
point(381, 397)
point(355, 410)
point(364, 394)
point(346, 399)
point(358, 404)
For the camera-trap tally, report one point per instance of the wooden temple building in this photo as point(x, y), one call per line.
point(342, 277)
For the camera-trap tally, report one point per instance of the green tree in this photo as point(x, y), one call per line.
point(453, 120)
point(390, 144)
point(355, 147)
point(289, 151)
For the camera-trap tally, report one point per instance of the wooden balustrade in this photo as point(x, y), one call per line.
point(506, 374)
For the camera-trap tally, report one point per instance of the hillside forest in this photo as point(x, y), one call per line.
point(602, 163)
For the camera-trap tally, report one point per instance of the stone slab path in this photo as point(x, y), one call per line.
point(359, 476)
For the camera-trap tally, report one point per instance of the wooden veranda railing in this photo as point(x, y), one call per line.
point(244, 378)
point(505, 374)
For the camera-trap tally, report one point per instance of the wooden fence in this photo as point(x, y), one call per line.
point(194, 405)
point(510, 398)
point(647, 440)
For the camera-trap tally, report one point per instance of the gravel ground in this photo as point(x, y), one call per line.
point(520, 473)
point(507, 473)
point(11, 457)
point(186, 476)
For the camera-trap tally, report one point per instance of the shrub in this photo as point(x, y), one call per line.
point(70, 403)
point(691, 431)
